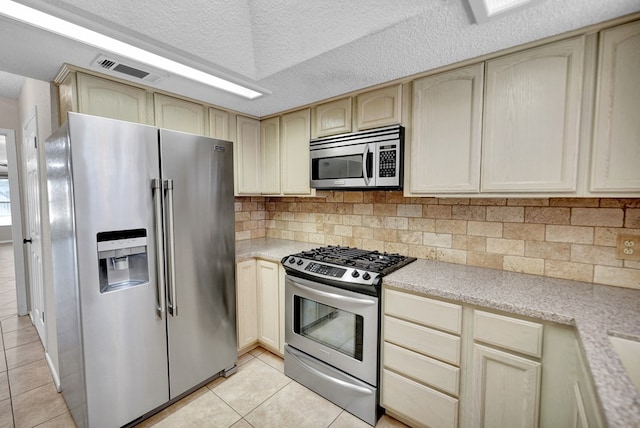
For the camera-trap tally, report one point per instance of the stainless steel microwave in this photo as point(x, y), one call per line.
point(371, 159)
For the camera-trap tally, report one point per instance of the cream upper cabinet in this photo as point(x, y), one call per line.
point(219, 124)
point(180, 115)
point(248, 158)
point(331, 118)
point(616, 140)
point(294, 134)
point(106, 98)
point(444, 154)
point(270, 147)
point(247, 303)
point(532, 119)
point(380, 107)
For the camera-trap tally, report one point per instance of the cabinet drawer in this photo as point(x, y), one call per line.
point(436, 344)
point(417, 402)
point(421, 368)
point(510, 333)
point(432, 313)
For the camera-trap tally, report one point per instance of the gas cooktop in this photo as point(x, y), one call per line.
point(347, 265)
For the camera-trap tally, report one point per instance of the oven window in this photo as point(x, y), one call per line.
point(329, 326)
point(337, 168)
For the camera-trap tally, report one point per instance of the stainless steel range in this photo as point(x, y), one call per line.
point(332, 323)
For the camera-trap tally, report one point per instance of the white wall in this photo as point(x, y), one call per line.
point(36, 94)
point(8, 120)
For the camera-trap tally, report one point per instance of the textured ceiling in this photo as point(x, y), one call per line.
point(299, 51)
point(10, 84)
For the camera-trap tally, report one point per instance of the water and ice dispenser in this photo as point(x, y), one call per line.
point(122, 258)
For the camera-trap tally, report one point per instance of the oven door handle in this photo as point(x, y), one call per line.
point(360, 389)
point(346, 299)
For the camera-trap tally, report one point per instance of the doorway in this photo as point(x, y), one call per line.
point(9, 156)
point(33, 241)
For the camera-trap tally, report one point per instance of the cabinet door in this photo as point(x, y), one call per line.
point(270, 147)
point(332, 118)
point(532, 118)
point(447, 130)
point(180, 115)
point(381, 107)
point(247, 301)
point(295, 134)
point(101, 97)
point(247, 156)
point(616, 139)
point(219, 124)
point(268, 307)
point(505, 389)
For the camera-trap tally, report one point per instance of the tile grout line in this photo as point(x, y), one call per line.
point(261, 403)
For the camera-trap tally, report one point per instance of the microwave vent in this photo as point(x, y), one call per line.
point(131, 71)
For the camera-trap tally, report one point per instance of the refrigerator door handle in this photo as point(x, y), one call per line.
point(156, 184)
point(171, 257)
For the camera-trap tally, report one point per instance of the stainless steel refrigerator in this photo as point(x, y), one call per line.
point(143, 247)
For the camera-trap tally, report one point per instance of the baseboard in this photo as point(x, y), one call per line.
point(54, 373)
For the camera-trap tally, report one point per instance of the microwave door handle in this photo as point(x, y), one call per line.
point(365, 172)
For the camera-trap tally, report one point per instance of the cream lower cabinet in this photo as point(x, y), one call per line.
point(260, 305)
point(420, 359)
point(506, 389)
point(450, 365)
point(246, 304)
point(267, 284)
point(505, 371)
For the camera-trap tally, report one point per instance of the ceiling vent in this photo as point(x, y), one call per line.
point(136, 72)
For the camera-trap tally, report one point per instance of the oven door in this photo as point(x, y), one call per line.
point(343, 167)
point(336, 326)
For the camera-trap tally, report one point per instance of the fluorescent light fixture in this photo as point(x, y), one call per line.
point(483, 10)
point(59, 26)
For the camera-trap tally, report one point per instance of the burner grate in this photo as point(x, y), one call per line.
point(372, 261)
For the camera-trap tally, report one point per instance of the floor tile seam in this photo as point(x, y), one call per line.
point(24, 364)
point(20, 344)
point(258, 405)
point(269, 397)
point(26, 390)
point(66, 408)
point(13, 413)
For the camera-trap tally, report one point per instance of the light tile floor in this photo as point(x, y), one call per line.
point(257, 395)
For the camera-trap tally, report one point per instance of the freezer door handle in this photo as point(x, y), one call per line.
point(171, 257)
point(156, 184)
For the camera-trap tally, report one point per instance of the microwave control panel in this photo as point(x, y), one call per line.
point(387, 160)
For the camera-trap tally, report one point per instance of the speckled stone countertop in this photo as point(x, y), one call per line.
point(594, 310)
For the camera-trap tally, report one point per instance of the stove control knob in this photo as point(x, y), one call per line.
point(292, 260)
point(355, 274)
point(366, 276)
point(300, 262)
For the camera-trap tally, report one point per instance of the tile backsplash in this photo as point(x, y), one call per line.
point(571, 238)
